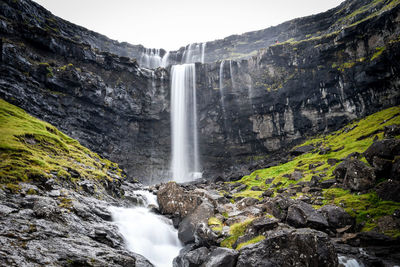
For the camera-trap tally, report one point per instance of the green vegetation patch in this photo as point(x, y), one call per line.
point(355, 137)
point(33, 150)
point(235, 231)
point(366, 208)
point(251, 241)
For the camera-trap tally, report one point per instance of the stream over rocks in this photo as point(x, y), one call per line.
point(147, 233)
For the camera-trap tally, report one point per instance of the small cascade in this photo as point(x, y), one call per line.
point(232, 77)
point(349, 262)
point(194, 53)
point(147, 233)
point(150, 58)
point(164, 61)
point(221, 89)
point(203, 52)
point(185, 159)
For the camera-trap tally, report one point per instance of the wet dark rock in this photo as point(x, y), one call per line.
point(336, 216)
point(391, 131)
point(355, 175)
point(191, 258)
point(268, 193)
point(302, 247)
point(256, 188)
point(304, 215)
point(327, 183)
point(296, 175)
point(246, 202)
point(88, 186)
point(301, 150)
point(389, 190)
point(332, 161)
point(197, 219)
point(384, 149)
point(174, 200)
point(222, 257)
point(269, 181)
point(324, 150)
point(263, 224)
point(367, 239)
point(395, 172)
point(278, 207)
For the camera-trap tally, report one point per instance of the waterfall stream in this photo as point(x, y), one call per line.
point(147, 233)
point(185, 159)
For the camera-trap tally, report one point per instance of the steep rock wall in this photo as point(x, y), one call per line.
point(66, 75)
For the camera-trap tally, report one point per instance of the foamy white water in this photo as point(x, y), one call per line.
point(349, 262)
point(146, 233)
point(185, 155)
point(150, 58)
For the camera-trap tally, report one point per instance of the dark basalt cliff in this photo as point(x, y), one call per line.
point(335, 66)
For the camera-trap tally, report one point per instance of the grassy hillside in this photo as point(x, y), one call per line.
point(32, 151)
point(367, 208)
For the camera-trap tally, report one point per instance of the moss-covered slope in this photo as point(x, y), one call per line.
point(356, 137)
point(34, 151)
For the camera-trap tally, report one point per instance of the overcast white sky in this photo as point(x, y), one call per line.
point(170, 24)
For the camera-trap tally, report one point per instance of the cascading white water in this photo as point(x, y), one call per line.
point(221, 89)
point(150, 58)
point(185, 159)
point(164, 61)
point(349, 262)
point(194, 53)
point(146, 233)
point(203, 52)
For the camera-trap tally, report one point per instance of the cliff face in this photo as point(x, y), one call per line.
point(344, 67)
point(105, 101)
point(294, 89)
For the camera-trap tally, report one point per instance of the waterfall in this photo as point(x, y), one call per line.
point(203, 52)
point(185, 159)
point(147, 233)
point(194, 53)
point(231, 73)
point(164, 61)
point(349, 262)
point(150, 58)
point(221, 89)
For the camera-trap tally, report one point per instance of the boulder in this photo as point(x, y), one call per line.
point(296, 175)
point(389, 190)
point(304, 215)
point(221, 257)
point(391, 130)
point(199, 218)
point(191, 258)
point(301, 150)
point(336, 216)
point(174, 200)
point(385, 149)
point(246, 202)
point(302, 247)
point(355, 175)
point(263, 224)
point(395, 172)
point(278, 207)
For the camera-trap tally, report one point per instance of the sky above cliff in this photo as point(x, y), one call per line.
point(175, 23)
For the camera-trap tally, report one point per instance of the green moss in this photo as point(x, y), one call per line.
point(251, 241)
point(31, 149)
point(378, 52)
point(366, 208)
point(65, 202)
point(31, 191)
point(214, 221)
point(235, 231)
point(355, 137)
